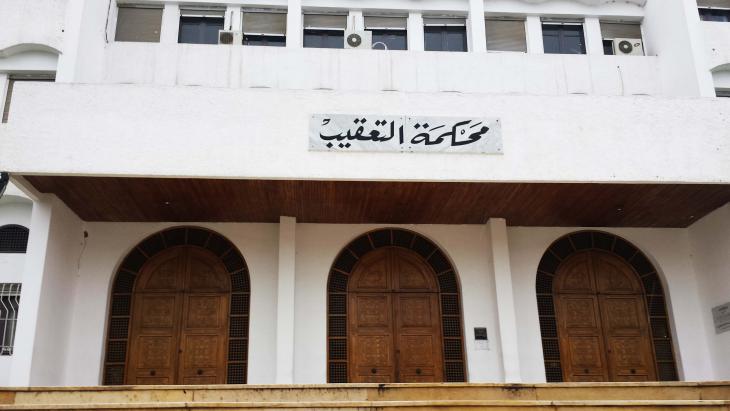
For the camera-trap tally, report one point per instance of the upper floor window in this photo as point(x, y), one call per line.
point(324, 31)
point(563, 37)
point(722, 92)
point(714, 10)
point(13, 239)
point(9, 305)
point(389, 33)
point(200, 26)
point(611, 31)
point(506, 35)
point(137, 23)
point(444, 34)
point(264, 28)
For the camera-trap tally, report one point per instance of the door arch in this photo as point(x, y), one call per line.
point(166, 294)
point(602, 311)
point(393, 289)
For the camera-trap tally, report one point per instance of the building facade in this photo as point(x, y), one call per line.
point(373, 191)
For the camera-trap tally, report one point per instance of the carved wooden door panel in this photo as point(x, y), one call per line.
point(180, 320)
point(156, 321)
point(579, 321)
point(602, 320)
point(418, 334)
point(204, 330)
point(394, 320)
point(625, 320)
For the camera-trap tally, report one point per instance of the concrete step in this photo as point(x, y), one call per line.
point(359, 393)
point(444, 405)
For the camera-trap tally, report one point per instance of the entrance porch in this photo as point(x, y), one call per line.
point(290, 254)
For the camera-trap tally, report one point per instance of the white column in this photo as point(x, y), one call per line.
point(594, 38)
point(294, 24)
point(497, 230)
point(415, 31)
point(285, 301)
point(170, 23)
point(477, 32)
point(233, 18)
point(533, 26)
point(66, 71)
point(30, 298)
point(355, 20)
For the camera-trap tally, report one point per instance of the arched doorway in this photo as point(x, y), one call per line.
point(179, 312)
point(394, 312)
point(602, 312)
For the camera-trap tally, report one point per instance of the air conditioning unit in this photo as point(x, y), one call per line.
point(230, 37)
point(358, 40)
point(628, 47)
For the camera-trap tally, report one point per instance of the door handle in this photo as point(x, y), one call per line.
point(153, 372)
point(373, 370)
point(586, 371)
point(633, 371)
point(200, 372)
point(418, 371)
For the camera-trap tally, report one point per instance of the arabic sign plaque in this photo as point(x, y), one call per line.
point(721, 317)
point(346, 132)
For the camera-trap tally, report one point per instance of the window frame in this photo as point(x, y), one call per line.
point(380, 30)
point(24, 241)
point(138, 6)
point(459, 23)
point(324, 31)
point(561, 37)
point(703, 11)
point(278, 38)
point(201, 15)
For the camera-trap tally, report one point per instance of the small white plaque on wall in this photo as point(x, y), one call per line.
point(388, 133)
point(721, 317)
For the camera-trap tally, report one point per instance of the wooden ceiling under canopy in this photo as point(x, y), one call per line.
point(521, 204)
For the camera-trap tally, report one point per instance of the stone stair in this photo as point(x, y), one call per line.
point(710, 396)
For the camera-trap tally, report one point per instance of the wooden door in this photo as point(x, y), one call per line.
point(179, 324)
point(602, 320)
point(394, 331)
point(630, 353)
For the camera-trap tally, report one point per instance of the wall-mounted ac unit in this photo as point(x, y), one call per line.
point(628, 47)
point(230, 37)
point(358, 40)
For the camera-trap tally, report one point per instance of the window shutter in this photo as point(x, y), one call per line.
point(138, 24)
point(620, 30)
point(506, 35)
point(719, 4)
point(379, 22)
point(325, 21)
point(444, 21)
point(264, 23)
point(210, 13)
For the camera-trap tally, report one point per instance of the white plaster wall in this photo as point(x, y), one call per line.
point(14, 209)
point(717, 43)
point(55, 310)
point(469, 250)
point(108, 244)
point(710, 246)
point(668, 249)
point(263, 133)
point(410, 71)
point(32, 22)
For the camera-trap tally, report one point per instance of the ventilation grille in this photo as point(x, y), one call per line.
point(13, 239)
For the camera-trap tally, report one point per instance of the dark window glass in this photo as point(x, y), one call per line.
point(325, 39)
point(563, 39)
point(393, 39)
point(257, 40)
point(199, 30)
point(445, 38)
point(722, 93)
point(715, 15)
point(608, 47)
